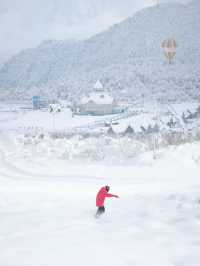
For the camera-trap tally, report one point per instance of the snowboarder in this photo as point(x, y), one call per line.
point(101, 195)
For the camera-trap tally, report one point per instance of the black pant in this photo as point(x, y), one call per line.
point(100, 210)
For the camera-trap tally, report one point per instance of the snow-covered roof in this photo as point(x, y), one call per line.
point(98, 98)
point(98, 85)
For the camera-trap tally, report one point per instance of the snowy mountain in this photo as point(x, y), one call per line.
point(128, 58)
point(28, 23)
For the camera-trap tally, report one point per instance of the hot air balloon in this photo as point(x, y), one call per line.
point(169, 46)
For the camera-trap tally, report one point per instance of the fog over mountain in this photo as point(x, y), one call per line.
point(25, 24)
point(127, 58)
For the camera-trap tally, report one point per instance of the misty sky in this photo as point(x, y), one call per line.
point(26, 23)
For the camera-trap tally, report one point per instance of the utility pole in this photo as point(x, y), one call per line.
point(156, 134)
point(54, 109)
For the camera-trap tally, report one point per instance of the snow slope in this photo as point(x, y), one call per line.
point(47, 208)
point(128, 59)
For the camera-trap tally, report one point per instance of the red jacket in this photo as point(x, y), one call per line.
point(102, 194)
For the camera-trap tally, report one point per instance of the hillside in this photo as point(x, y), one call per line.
point(128, 59)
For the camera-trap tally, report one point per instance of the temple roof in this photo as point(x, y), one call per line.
point(98, 85)
point(98, 98)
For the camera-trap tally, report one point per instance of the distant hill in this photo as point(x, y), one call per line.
point(128, 59)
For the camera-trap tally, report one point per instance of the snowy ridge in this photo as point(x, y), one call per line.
point(128, 59)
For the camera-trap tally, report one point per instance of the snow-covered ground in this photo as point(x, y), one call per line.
point(47, 208)
point(14, 117)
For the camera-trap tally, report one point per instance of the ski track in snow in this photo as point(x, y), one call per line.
point(155, 222)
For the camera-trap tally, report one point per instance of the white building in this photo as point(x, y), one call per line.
point(98, 102)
